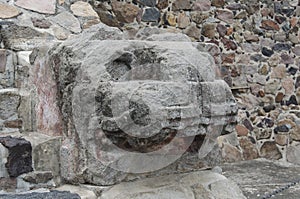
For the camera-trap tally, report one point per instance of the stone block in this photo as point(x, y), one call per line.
point(124, 105)
point(19, 160)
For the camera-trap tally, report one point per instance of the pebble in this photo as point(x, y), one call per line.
point(267, 52)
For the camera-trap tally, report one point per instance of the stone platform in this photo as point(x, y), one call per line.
point(259, 177)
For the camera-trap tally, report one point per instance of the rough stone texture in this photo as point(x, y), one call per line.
point(119, 69)
point(196, 185)
point(81, 191)
point(125, 12)
point(256, 178)
point(83, 9)
point(68, 21)
point(46, 195)
point(44, 6)
point(19, 160)
point(19, 38)
point(7, 11)
point(269, 150)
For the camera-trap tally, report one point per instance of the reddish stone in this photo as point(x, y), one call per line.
point(269, 25)
point(183, 21)
point(231, 153)
point(125, 13)
point(293, 21)
point(229, 31)
point(228, 58)
point(269, 150)
point(229, 44)
point(250, 151)
point(281, 139)
point(241, 130)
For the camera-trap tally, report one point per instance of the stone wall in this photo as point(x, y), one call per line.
point(254, 43)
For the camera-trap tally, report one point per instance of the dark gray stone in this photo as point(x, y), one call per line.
point(267, 52)
point(269, 108)
point(44, 195)
point(282, 128)
point(151, 14)
point(282, 46)
point(292, 100)
point(19, 160)
point(150, 3)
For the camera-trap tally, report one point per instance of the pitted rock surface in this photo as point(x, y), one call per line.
point(127, 100)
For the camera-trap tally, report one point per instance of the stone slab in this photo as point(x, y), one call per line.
point(257, 178)
point(194, 185)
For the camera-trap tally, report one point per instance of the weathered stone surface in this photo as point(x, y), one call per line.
point(293, 153)
point(218, 3)
point(9, 103)
point(183, 21)
point(19, 160)
point(40, 23)
point(201, 5)
point(35, 180)
point(269, 150)
point(68, 21)
point(249, 148)
point(120, 69)
point(3, 155)
point(225, 15)
point(198, 185)
point(208, 30)
point(45, 6)
point(83, 9)
point(78, 190)
point(125, 12)
point(162, 4)
point(231, 153)
point(181, 5)
point(241, 130)
point(258, 177)
point(150, 3)
point(23, 38)
point(47, 195)
point(8, 11)
point(151, 14)
point(269, 25)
